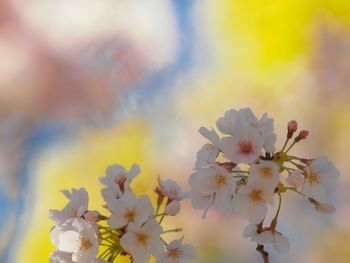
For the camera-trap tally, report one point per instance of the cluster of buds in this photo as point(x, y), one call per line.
point(132, 226)
point(242, 172)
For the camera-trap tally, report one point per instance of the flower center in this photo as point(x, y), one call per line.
point(130, 214)
point(313, 178)
point(266, 171)
point(220, 180)
point(174, 254)
point(141, 238)
point(245, 147)
point(85, 243)
point(255, 195)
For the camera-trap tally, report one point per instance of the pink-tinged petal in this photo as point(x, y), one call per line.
point(325, 208)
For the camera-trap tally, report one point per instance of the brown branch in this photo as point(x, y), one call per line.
point(260, 248)
point(263, 253)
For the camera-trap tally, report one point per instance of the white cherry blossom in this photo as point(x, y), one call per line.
point(320, 177)
point(176, 252)
point(117, 180)
point(267, 171)
point(141, 242)
point(202, 201)
point(295, 178)
point(244, 147)
point(77, 206)
point(81, 241)
point(233, 120)
point(279, 242)
point(215, 181)
point(60, 257)
point(250, 200)
point(206, 155)
point(129, 209)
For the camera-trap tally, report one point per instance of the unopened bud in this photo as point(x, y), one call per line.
point(292, 127)
point(93, 216)
point(302, 135)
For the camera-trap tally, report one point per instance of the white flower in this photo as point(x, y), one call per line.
point(212, 136)
point(244, 147)
point(170, 189)
point(250, 200)
point(202, 201)
point(117, 180)
point(320, 176)
point(60, 257)
point(279, 242)
point(295, 179)
point(268, 171)
point(250, 231)
point(77, 206)
point(206, 155)
point(129, 209)
point(216, 181)
point(173, 208)
point(141, 242)
point(233, 120)
point(81, 241)
point(177, 253)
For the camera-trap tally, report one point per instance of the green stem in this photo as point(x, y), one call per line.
point(172, 230)
point(295, 190)
point(278, 209)
point(290, 147)
point(285, 144)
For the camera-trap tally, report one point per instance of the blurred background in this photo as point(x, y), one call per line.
point(84, 84)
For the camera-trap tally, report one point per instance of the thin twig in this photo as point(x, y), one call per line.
point(263, 253)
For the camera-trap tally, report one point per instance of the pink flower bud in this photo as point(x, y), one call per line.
point(325, 208)
point(92, 216)
point(302, 135)
point(292, 127)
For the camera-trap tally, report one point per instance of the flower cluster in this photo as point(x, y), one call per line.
point(132, 227)
point(220, 181)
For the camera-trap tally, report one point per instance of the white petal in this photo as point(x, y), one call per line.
point(69, 241)
point(281, 244)
point(212, 136)
point(249, 230)
point(173, 208)
point(265, 237)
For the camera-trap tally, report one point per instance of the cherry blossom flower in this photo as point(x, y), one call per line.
point(77, 206)
point(295, 179)
point(129, 209)
point(250, 231)
point(177, 253)
point(233, 120)
point(202, 201)
point(279, 242)
point(60, 257)
point(267, 171)
point(173, 192)
point(141, 242)
point(250, 200)
point(215, 181)
point(320, 176)
point(173, 208)
point(206, 155)
point(117, 180)
point(244, 147)
point(81, 241)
